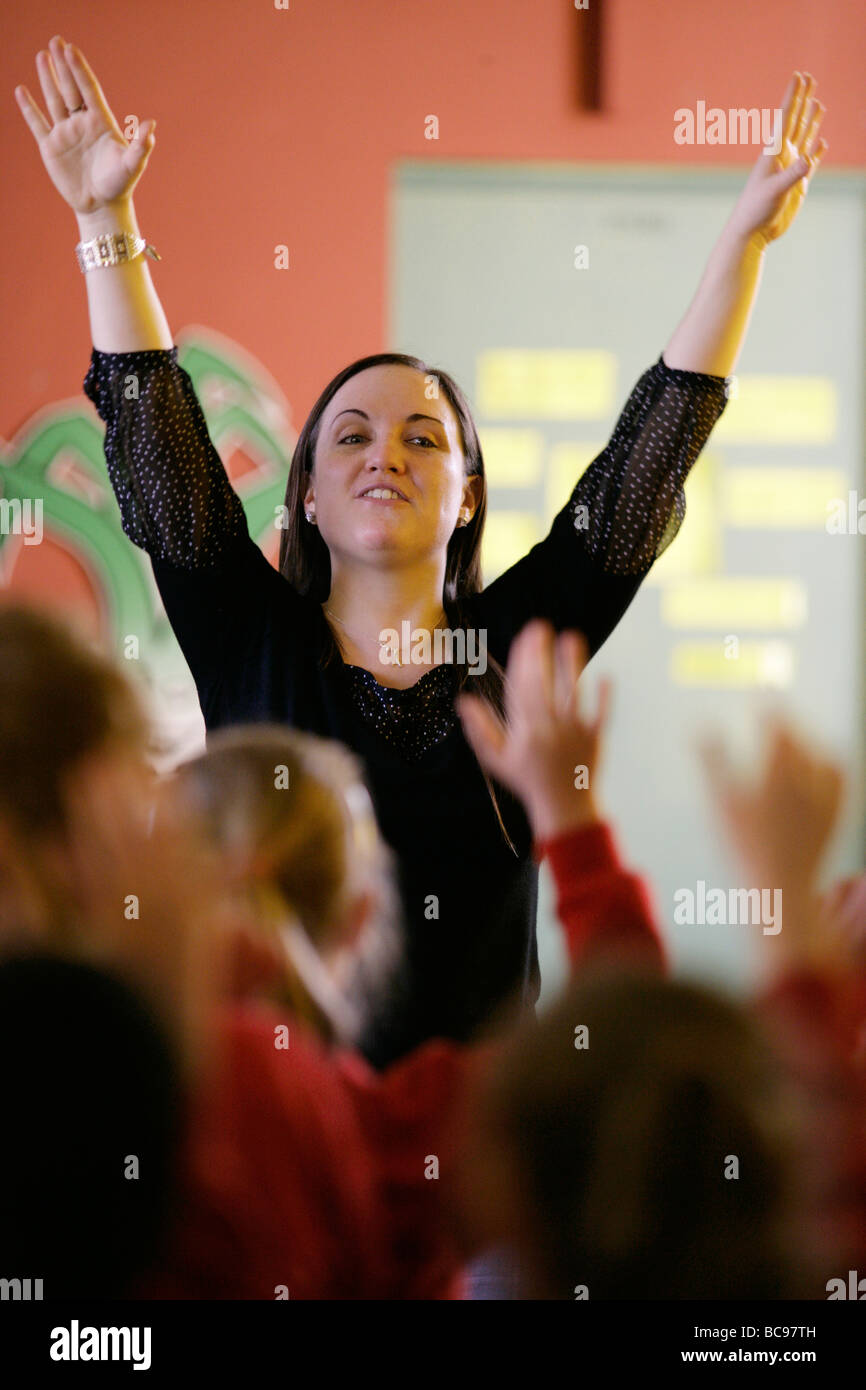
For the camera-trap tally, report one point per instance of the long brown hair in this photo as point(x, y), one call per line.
point(305, 559)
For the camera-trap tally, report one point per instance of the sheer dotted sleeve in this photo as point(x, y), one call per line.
point(175, 498)
point(633, 492)
point(624, 511)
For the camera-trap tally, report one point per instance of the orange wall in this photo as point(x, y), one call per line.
point(280, 126)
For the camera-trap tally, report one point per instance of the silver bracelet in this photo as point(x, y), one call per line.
point(112, 248)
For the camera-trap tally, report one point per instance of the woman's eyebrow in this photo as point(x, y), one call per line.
point(352, 410)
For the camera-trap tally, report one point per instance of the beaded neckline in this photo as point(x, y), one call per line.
point(397, 690)
point(412, 720)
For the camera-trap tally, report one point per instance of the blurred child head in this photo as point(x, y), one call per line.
point(292, 811)
point(61, 703)
point(655, 1160)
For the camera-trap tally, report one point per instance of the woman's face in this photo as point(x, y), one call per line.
point(388, 480)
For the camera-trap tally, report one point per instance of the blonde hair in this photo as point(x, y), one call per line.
point(295, 806)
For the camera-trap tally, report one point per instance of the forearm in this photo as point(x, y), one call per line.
point(712, 332)
point(559, 810)
point(604, 910)
point(802, 940)
point(125, 312)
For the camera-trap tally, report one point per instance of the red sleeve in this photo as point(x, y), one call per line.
point(277, 1184)
point(308, 1170)
point(817, 1019)
point(413, 1116)
point(605, 911)
point(826, 1009)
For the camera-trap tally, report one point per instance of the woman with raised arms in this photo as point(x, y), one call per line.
point(385, 509)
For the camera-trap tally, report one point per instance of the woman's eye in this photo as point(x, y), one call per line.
point(419, 439)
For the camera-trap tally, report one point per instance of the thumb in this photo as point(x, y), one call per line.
point(141, 145)
point(786, 178)
point(484, 733)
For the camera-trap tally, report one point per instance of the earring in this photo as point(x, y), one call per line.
point(464, 517)
point(310, 518)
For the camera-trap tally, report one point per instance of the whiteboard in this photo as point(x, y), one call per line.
point(482, 259)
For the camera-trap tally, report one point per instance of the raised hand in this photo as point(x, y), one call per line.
point(548, 751)
point(778, 183)
point(844, 910)
point(780, 823)
point(87, 157)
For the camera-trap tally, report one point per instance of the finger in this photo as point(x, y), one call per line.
point(93, 95)
point(837, 896)
point(834, 787)
point(53, 100)
point(805, 109)
point(791, 174)
point(815, 159)
point(853, 905)
point(716, 765)
point(792, 106)
point(484, 733)
point(65, 80)
point(571, 656)
point(605, 703)
point(787, 104)
point(531, 673)
point(142, 143)
point(144, 133)
point(537, 669)
point(35, 119)
point(784, 755)
point(731, 805)
point(812, 128)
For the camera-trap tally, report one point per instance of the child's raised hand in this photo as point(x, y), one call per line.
point(780, 823)
point(548, 751)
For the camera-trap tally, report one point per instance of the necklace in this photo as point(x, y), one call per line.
point(397, 661)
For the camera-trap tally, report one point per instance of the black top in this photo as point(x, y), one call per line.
point(80, 1223)
point(255, 646)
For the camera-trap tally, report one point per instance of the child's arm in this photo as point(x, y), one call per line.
point(548, 753)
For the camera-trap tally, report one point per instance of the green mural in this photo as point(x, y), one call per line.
point(55, 468)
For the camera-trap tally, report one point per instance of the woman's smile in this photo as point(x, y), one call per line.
point(382, 495)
